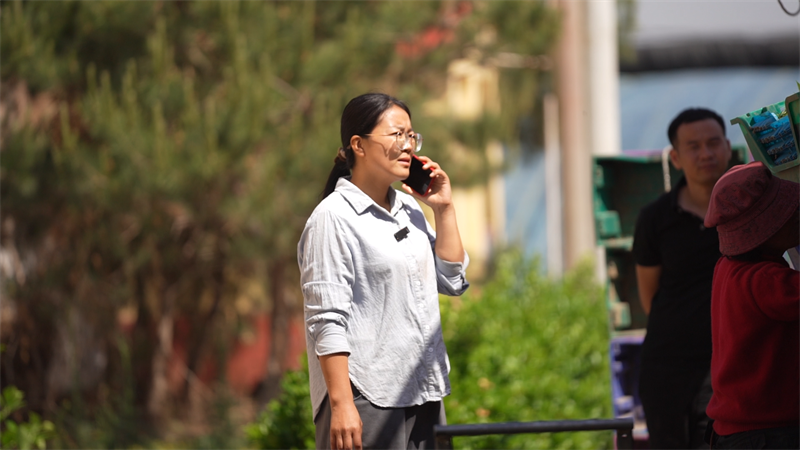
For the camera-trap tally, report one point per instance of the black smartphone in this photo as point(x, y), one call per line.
point(419, 179)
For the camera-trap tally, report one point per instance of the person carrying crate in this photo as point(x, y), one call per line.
point(675, 256)
point(755, 311)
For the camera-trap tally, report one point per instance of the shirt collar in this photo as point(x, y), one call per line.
point(673, 193)
point(361, 201)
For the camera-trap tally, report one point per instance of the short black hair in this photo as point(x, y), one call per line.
point(691, 115)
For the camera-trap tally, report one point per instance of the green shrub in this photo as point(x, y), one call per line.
point(287, 422)
point(112, 419)
point(528, 348)
point(23, 435)
point(224, 433)
point(522, 348)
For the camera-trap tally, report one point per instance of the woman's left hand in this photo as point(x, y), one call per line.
point(448, 240)
point(439, 194)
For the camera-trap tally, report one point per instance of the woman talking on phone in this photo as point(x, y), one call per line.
point(371, 269)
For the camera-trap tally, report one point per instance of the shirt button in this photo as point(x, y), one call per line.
point(430, 349)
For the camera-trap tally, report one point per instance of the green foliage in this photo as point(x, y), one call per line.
point(187, 133)
point(287, 422)
point(22, 435)
point(186, 143)
point(523, 348)
point(528, 348)
point(13, 400)
point(223, 433)
point(116, 422)
point(626, 25)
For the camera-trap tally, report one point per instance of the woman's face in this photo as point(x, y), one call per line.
point(383, 159)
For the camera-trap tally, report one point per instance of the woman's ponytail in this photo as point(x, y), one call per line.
point(341, 168)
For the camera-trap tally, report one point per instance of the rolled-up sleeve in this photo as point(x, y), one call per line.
point(451, 277)
point(326, 278)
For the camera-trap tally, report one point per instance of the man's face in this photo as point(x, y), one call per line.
point(701, 151)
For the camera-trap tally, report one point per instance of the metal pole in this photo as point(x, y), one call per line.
point(625, 437)
point(443, 441)
point(623, 427)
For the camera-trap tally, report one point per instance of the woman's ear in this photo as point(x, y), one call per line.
point(356, 144)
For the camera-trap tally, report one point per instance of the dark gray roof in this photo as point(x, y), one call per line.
point(783, 51)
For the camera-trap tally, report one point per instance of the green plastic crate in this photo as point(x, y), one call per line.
point(790, 170)
point(622, 186)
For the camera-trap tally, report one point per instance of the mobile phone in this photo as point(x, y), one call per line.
point(419, 179)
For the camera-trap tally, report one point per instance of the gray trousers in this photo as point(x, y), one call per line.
point(386, 428)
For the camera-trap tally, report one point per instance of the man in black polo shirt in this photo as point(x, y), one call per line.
point(675, 258)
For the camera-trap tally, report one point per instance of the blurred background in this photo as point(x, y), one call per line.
point(159, 161)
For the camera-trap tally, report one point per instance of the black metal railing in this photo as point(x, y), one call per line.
point(624, 428)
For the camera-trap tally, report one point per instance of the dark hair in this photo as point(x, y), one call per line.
point(360, 117)
point(688, 116)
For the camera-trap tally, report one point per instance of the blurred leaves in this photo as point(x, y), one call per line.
point(287, 422)
point(528, 348)
point(22, 435)
point(157, 154)
point(12, 400)
point(524, 348)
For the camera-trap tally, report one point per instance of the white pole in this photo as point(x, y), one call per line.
point(603, 77)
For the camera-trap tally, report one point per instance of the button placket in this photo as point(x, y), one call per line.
point(419, 298)
point(430, 381)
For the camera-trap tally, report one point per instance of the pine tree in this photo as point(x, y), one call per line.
point(157, 153)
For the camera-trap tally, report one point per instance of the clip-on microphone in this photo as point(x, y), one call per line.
point(400, 235)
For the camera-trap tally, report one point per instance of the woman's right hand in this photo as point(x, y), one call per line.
point(345, 426)
point(345, 421)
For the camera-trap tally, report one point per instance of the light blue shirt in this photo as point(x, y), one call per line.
point(376, 297)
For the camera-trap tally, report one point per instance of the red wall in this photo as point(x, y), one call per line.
point(247, 358)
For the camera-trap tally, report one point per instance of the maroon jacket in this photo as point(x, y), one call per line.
point(755, 334)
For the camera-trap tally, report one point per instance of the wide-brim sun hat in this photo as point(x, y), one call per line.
point(748, 206)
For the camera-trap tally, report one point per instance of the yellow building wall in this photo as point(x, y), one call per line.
point(480, 210)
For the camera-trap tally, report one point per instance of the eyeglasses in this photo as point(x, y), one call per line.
point(403, 139)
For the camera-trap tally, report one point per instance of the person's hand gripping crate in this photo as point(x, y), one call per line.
point(772, 135)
